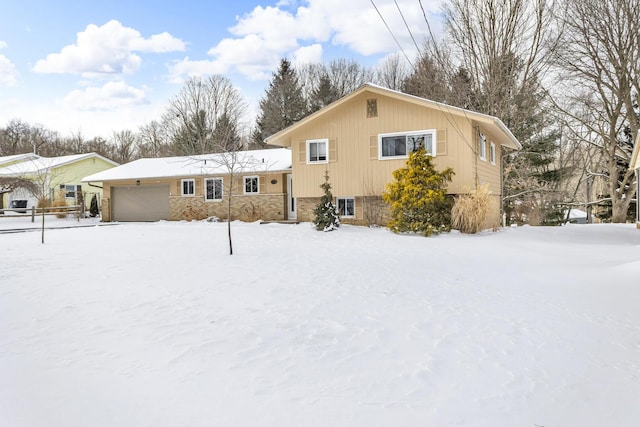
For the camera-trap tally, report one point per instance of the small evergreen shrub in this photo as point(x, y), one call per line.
point(418, 197)
point(326, 213)
point(94, 211)
point(470, 210)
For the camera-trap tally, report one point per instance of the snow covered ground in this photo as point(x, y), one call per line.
point(155, 325)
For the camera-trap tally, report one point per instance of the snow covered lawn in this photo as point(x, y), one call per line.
point(155, 325)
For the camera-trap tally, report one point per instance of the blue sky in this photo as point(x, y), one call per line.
point(98, 67)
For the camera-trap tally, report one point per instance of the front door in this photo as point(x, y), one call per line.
point(291, 201)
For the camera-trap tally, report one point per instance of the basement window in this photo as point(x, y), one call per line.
point(346, 207)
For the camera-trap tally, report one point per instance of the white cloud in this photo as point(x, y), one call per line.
point(110, 97)
point(307, 55)
point(188, 67)
point(267, 34)
point(8, 71)
point(108, 49)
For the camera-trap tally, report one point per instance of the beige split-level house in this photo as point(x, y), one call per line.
point(359, 139)
point(363, 137)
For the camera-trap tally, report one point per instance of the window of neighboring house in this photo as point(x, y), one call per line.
point(346, 206)
point(317, 151)
point(188, 187)
point(213, 189)
point(492, 153)
point(251, 185)
point(482, 146)
point(399, 145)
point(70, 191)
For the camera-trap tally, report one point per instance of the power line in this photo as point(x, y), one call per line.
point(392, 35)
point(407, 25)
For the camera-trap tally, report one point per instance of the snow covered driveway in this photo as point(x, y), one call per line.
point(155, 325)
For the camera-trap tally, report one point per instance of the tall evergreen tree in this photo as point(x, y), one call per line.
point(324, 94)
point(283, 104)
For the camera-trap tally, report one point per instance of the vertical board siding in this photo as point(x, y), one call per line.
point(354, 168)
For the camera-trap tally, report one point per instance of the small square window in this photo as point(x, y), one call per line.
point(317, 151)
point(346, 207)
point(188, 187)
point(213, 189)
point(251, 185)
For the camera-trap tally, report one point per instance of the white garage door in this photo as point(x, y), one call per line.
point(140, 203)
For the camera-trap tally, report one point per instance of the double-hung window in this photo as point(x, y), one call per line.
point(70, 190)
point(213, 189)
point(188, 187)
point(401, 144)
point(251, 185)
point(482, 146)
point(346, 206)
point(317, 151)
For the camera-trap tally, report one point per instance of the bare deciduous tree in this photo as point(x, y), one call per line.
point(193, 114)
point(600, 62)
point(392, 72)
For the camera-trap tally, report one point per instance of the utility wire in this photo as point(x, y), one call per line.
point(407, 25)
point(393, 35)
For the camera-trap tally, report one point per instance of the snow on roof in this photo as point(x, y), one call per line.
point(17, 157)
point(278, 159)
point(40, 164)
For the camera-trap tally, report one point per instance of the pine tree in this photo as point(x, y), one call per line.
point(283, 105)
point(326, 213)
point(418, 197)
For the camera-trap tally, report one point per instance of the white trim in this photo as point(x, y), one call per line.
point(244, 184)
point(492, 153)
point(324, 141)
point(182, 193)
point(354, 206)
point(431, 132)
point(221, 189)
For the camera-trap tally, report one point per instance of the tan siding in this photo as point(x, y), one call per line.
point(358, 172)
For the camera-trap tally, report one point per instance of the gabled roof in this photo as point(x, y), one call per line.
point(42, 164)
point(492, 123)
point(18, 158)
point(254, 161)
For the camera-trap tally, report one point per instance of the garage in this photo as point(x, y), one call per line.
point(144, 203)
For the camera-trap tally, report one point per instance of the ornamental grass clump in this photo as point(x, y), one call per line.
point(470, 210)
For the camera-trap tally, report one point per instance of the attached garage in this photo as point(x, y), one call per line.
point(140, 203)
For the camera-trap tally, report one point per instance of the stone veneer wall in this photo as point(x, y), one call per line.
point(106, 210)
point(369, 211)
point(267, 207)
point(374, 211)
